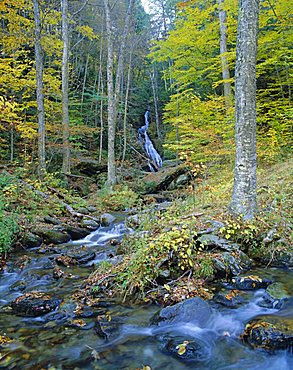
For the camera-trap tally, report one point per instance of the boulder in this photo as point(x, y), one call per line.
point(231, 264)
point(275, 296)
point(157, 181)
point(194, 310)
point(179, 181)
point(34, 304)
point(270, 332)
point(211, 241)
point(230, 299)
point(133, 221)
point(75, 255)
point(90, 224)
point(52, 236)
point(52, 220)
point(184, 348)
point(83, 210)
point(81, 254)
point(106, 219)
point(31, 240)
point(250, 283)
point(76, 233)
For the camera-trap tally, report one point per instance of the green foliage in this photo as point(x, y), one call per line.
point(117, 199)
point(197, 122)
point(8, 228)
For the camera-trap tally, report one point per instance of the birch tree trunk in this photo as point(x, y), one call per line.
point(114, 92)
point(126, 108)
point(65, 100)
point(244, 191)
point(155, 98)
point(40, 92)
point(223, 51)
point(112, 178)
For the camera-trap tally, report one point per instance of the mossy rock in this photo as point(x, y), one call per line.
point(31, 240)
point(52, 236)
point(270, 332)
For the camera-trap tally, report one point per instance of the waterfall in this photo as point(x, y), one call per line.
point(155, 160)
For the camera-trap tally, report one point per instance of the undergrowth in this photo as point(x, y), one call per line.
point(165, 248)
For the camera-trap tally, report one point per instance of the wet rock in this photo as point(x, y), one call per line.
point(250, 283)
point(34, 304)
point(52, 236)
point(22, 262)
point(133, 221)
point(19, 286)
point(83, 210)
point(78, 323)
point(81, 255)
point(66, 261)
point(52, 220)
point(211, 241)
point(90, 224)
point(230, 299)
point(275, 296)
point(75, 255)
point(31, 240)
point(48, 265)
point(100, 331)
point(106, 219)
point(57, 273)
point(231, 264)
point(179, 182)
point(92, 209)
point(76, 233)
point(194, 310)
point(184, 349)
point(270, 332)
point(160, 180)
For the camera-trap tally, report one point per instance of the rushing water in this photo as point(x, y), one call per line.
point(49, 342)
point(155, 160)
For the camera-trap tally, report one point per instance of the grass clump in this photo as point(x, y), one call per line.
point(117, 199)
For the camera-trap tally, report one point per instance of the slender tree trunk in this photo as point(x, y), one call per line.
point(244, 191)
point(40, 92)
point(84, 79)
point(65, 99)
point(101, 122)
point(125, 109)
point(155, 97)
point(223, 51)
point(11, 143)
point(114, 93)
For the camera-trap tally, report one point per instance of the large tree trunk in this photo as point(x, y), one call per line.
point(223, 51)
point(112, 178)
point(65, 100)
point(40, 93)
point(244, 191)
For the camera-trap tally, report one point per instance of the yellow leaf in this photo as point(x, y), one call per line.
point(167, 287)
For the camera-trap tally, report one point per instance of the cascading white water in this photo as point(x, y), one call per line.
point(155, 160)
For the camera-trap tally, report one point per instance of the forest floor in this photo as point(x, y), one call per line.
point(169, 245)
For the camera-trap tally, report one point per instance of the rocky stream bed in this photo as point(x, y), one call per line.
point(248, 324)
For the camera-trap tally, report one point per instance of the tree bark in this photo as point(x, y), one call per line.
point(40, 92)
point(65, 99)
point(223, 51)
point(244, 191)
point(114, 93)
point(155, 98)
point(125, 108)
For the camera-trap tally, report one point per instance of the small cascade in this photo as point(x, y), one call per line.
point(155, 160)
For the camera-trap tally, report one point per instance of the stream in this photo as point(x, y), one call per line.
point(51, 342)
